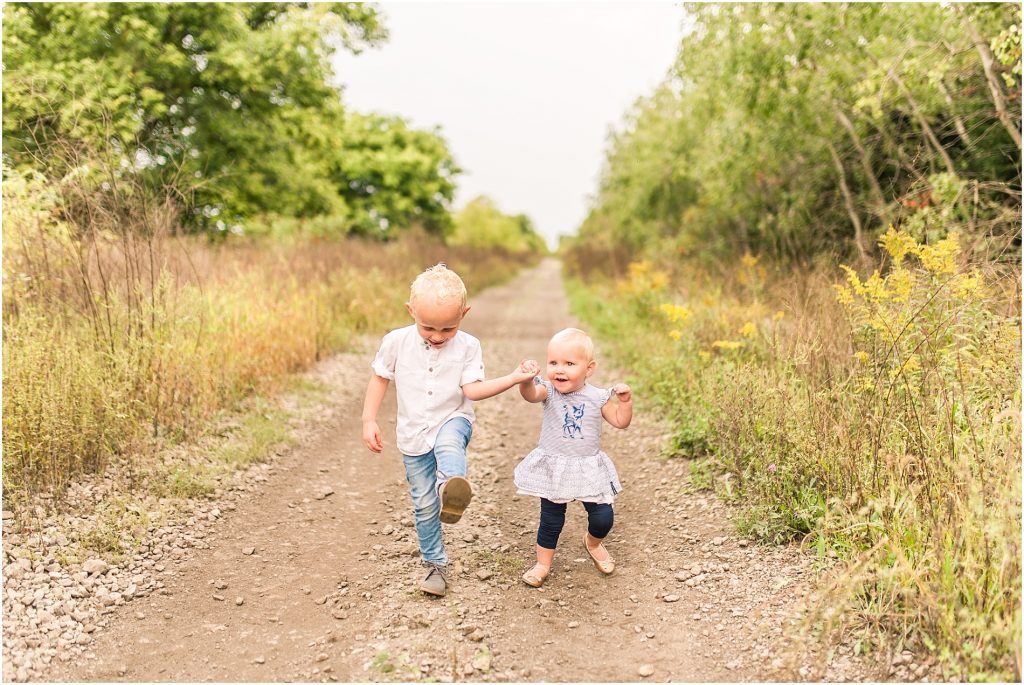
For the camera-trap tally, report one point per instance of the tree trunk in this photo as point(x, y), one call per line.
point(865, 161)
point(922, 121)
point(987, 62)
point(961, 130)
point(851, 209)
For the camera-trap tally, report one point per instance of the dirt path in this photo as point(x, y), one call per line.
point(329, 590)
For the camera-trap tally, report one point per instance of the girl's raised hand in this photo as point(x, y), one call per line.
point(623, 392)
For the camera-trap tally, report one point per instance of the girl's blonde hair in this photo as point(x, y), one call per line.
point(577, 337)
point(439, 284)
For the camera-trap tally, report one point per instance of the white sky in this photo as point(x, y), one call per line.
point(524, 93)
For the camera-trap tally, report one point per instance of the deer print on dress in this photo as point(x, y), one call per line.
point(573, 425)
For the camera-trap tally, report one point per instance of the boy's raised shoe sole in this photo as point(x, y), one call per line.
point(455, 496)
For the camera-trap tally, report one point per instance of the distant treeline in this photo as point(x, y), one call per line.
point(790, 130)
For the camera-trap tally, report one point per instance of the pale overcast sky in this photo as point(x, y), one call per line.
point(524, 93)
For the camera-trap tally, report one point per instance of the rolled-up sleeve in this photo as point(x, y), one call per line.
point(384, 363)
point(473, 367)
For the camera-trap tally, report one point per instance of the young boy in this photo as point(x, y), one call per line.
point(438, 370)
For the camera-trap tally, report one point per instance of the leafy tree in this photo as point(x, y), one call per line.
point(794, 129)
point(481, 224)
point(390, 175)
point(237, 98)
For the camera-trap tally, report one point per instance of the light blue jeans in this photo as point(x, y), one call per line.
point(426, 473)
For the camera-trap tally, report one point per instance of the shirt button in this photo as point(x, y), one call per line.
point(431, 368)
point(430, 392)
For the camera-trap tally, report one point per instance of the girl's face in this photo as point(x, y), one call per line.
point(568, 366)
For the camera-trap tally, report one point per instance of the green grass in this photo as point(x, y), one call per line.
point(505, 563)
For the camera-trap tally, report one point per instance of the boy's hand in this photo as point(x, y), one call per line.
point(371, 436)
point(622, 392)
point(528, 368)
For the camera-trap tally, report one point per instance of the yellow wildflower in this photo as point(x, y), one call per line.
point(675, 335)
point(638, 269)
point(704, 355)
point(861, 356)
point(727, 344)
point(864, 383)
point(966, 285)
point(874, 287)
point(749, 330)
point(878, 323)
point(843, 294)
point(749, 260)
point(941, 257)
point(912, 364)
point(898, 244)
point(853, 279)
point(778, 315)
point(674, 312)
point(902, 283)
point(659, 279)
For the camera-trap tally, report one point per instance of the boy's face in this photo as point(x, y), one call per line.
point(568, 366)
point(436, 323)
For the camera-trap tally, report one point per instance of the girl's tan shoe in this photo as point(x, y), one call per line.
point(606, 566)
point(536, 576)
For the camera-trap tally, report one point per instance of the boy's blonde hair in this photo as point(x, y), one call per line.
point(578, 337)
point(440, 285)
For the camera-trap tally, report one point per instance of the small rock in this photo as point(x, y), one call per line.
point(482, 662)
point(95, 566)
point(249, 551)
point(476, 636)
point(646, 670)
point(219, 598)
point(484, 574)
point(671, 598)
point(574, 624)
point(239, 601)
point(259, 660)
point(324, 492)
point(8, 514)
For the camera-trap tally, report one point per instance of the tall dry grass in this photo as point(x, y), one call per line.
point(873, 417)
point(120, 334)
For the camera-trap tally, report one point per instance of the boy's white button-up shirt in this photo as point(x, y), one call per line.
point(428, 382)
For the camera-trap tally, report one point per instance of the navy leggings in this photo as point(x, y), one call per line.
point(552, 518)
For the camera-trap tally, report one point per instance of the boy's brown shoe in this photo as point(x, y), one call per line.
point(455, 495)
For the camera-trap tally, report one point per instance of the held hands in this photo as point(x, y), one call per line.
point(527, 369)
point(622, 392)
point(371, 436)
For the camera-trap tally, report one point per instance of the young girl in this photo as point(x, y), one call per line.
point(568, 464)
